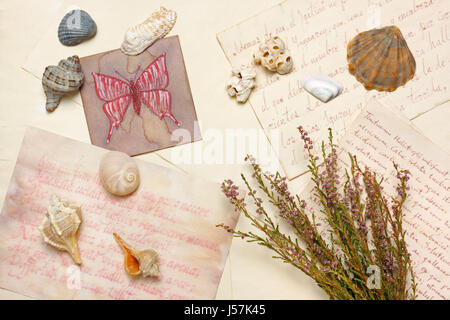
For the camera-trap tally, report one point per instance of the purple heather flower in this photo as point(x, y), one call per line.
point(306, 139)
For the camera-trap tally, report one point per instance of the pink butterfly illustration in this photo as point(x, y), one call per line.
point(149, 89)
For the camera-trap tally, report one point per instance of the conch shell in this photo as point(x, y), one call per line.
point(119, 173)
point(141, 36)
point(380, 59)
point(274, 56)
point(60, 227)
point(136, 262)
point(241, 84)
point(59, 80)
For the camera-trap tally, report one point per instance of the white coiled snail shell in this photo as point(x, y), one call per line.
point(119, 173)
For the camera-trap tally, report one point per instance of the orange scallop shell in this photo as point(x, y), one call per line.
point(380, 59)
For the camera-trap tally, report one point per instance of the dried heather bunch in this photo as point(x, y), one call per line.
point(364, 256)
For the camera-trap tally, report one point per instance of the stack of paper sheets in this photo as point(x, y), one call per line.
point(317, 34)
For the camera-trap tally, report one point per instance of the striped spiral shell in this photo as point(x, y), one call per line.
point(119, 173)
point(59, 80)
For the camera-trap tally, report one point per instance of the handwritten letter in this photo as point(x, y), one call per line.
point(317, 34)
point(170, 212)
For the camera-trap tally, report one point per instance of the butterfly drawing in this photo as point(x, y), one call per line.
point(149, 89)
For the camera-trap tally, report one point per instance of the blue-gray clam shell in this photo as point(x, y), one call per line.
point(75, 27)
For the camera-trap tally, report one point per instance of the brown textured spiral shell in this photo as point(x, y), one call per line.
point(380, 59)
point(59, 80)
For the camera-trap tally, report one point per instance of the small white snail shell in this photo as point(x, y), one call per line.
point(119, 173)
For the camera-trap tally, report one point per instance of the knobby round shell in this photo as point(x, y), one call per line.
point(61, 225)
point(137, 262)
point(75, 27)
point(143, 35)
point(380, 59)
point(59, 80)
point(119, 173)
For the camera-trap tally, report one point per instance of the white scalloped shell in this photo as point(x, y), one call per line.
point(141, 36)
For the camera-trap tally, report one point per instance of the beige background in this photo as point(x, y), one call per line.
point(317, 34)
point(30, 28)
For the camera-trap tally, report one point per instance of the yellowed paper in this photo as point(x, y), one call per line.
point(173, 213)
point(377, 137)
point(317, 34)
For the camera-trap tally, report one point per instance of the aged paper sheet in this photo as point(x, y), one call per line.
point(377, 138)
point(39, 46)
point(317, 34)
point(173, 213)
point(217, 112)
point(145, 126)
